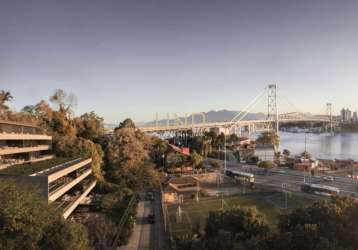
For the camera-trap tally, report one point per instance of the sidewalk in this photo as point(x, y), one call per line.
point(134, 240)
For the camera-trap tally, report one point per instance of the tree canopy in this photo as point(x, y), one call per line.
point(28, 222)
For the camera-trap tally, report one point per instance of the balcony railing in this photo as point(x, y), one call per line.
point(67, 185)
point(18, 150)
point(4, 163)
point(24, 136)
point(76, 201)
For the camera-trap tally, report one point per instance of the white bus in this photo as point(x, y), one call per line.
point(319, 189)
point(239, 175)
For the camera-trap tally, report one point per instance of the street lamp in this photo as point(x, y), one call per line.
point(225, 151)
point(163, 156)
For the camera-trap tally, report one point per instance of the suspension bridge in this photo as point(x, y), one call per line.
point(238, 123)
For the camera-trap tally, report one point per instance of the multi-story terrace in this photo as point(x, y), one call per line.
point(63, 182)
point(21, 143)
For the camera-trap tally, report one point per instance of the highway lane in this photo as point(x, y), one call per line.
point(278, 176)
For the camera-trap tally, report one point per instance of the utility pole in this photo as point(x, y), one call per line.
point(329, 114)
point(225, 151)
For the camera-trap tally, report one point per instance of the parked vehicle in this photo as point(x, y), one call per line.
point(150, 218)
point(319, 189)
point(149, 196)
point(328, 178)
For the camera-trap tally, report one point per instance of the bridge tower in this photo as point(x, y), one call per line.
point(272, 107)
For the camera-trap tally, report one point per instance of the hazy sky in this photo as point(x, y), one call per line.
point(133, 58)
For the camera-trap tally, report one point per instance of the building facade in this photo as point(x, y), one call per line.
point(265, 152)
point(346, 115)
point(21, 143)
point(63, 182)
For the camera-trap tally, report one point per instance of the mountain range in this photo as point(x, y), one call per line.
point(214, 116)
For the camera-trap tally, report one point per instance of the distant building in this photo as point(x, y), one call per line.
point(346, 115)
point(265, 152)
point(187, 187)
point(355, 116)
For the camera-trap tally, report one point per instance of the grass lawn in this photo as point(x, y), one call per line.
point(268, 203)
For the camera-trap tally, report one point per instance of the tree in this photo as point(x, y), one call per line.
point(5, 96)
point(90, 126)
point(126, 154)
point(241, 223)
point(30, 109)
point(233, 138)
point(268, 138)
point(216, 164)
point(266, 164)
point(65, 235)
point(159, 149)
point(306, 155)
point(330, 224)
point(67, 146)
point(286, 153)
point(27, 221)
point(197, 160)
point(220, 141)
point(65, 102)
point(127, 123)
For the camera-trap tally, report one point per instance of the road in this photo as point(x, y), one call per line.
point(147, 236)
point(277, 176)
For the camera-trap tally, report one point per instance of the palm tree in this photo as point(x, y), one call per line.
point(160, 147)
point(5, 96)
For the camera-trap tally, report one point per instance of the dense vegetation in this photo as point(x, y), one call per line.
point(325, 225)
point(28, 222)
point(122, 163)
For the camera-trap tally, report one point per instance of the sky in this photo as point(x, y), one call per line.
point(135, 58)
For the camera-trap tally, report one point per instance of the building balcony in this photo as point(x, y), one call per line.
point(64, 169)
point(62, 189)
point(24, 136)
point(71, 206)
point(4, 163)
point(19, 150)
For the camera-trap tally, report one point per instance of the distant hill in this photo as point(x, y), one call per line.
point(217, 116)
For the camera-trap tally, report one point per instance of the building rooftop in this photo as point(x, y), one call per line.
point(34, 167)
point(265, 146)
point(183, 180)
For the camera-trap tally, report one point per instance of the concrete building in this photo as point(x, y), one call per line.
point(21, 143)
point(265, 152)
point(355, 116)
point(63, 182)
point(346, 115)
point(186, 187)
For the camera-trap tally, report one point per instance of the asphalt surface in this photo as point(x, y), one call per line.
point(278, 176)
point(148, 236)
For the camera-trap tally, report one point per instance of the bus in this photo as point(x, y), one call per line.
point(319, 189)
point(241, 175)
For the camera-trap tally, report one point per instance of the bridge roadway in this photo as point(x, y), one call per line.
point(227, 125)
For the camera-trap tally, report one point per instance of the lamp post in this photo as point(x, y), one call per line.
point(225, 152)
point(163, 156)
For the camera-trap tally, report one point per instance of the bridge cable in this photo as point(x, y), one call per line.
point(253, 102)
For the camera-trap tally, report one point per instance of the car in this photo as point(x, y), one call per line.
point(149, 196)
point(328, 178)
point(150, 218)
